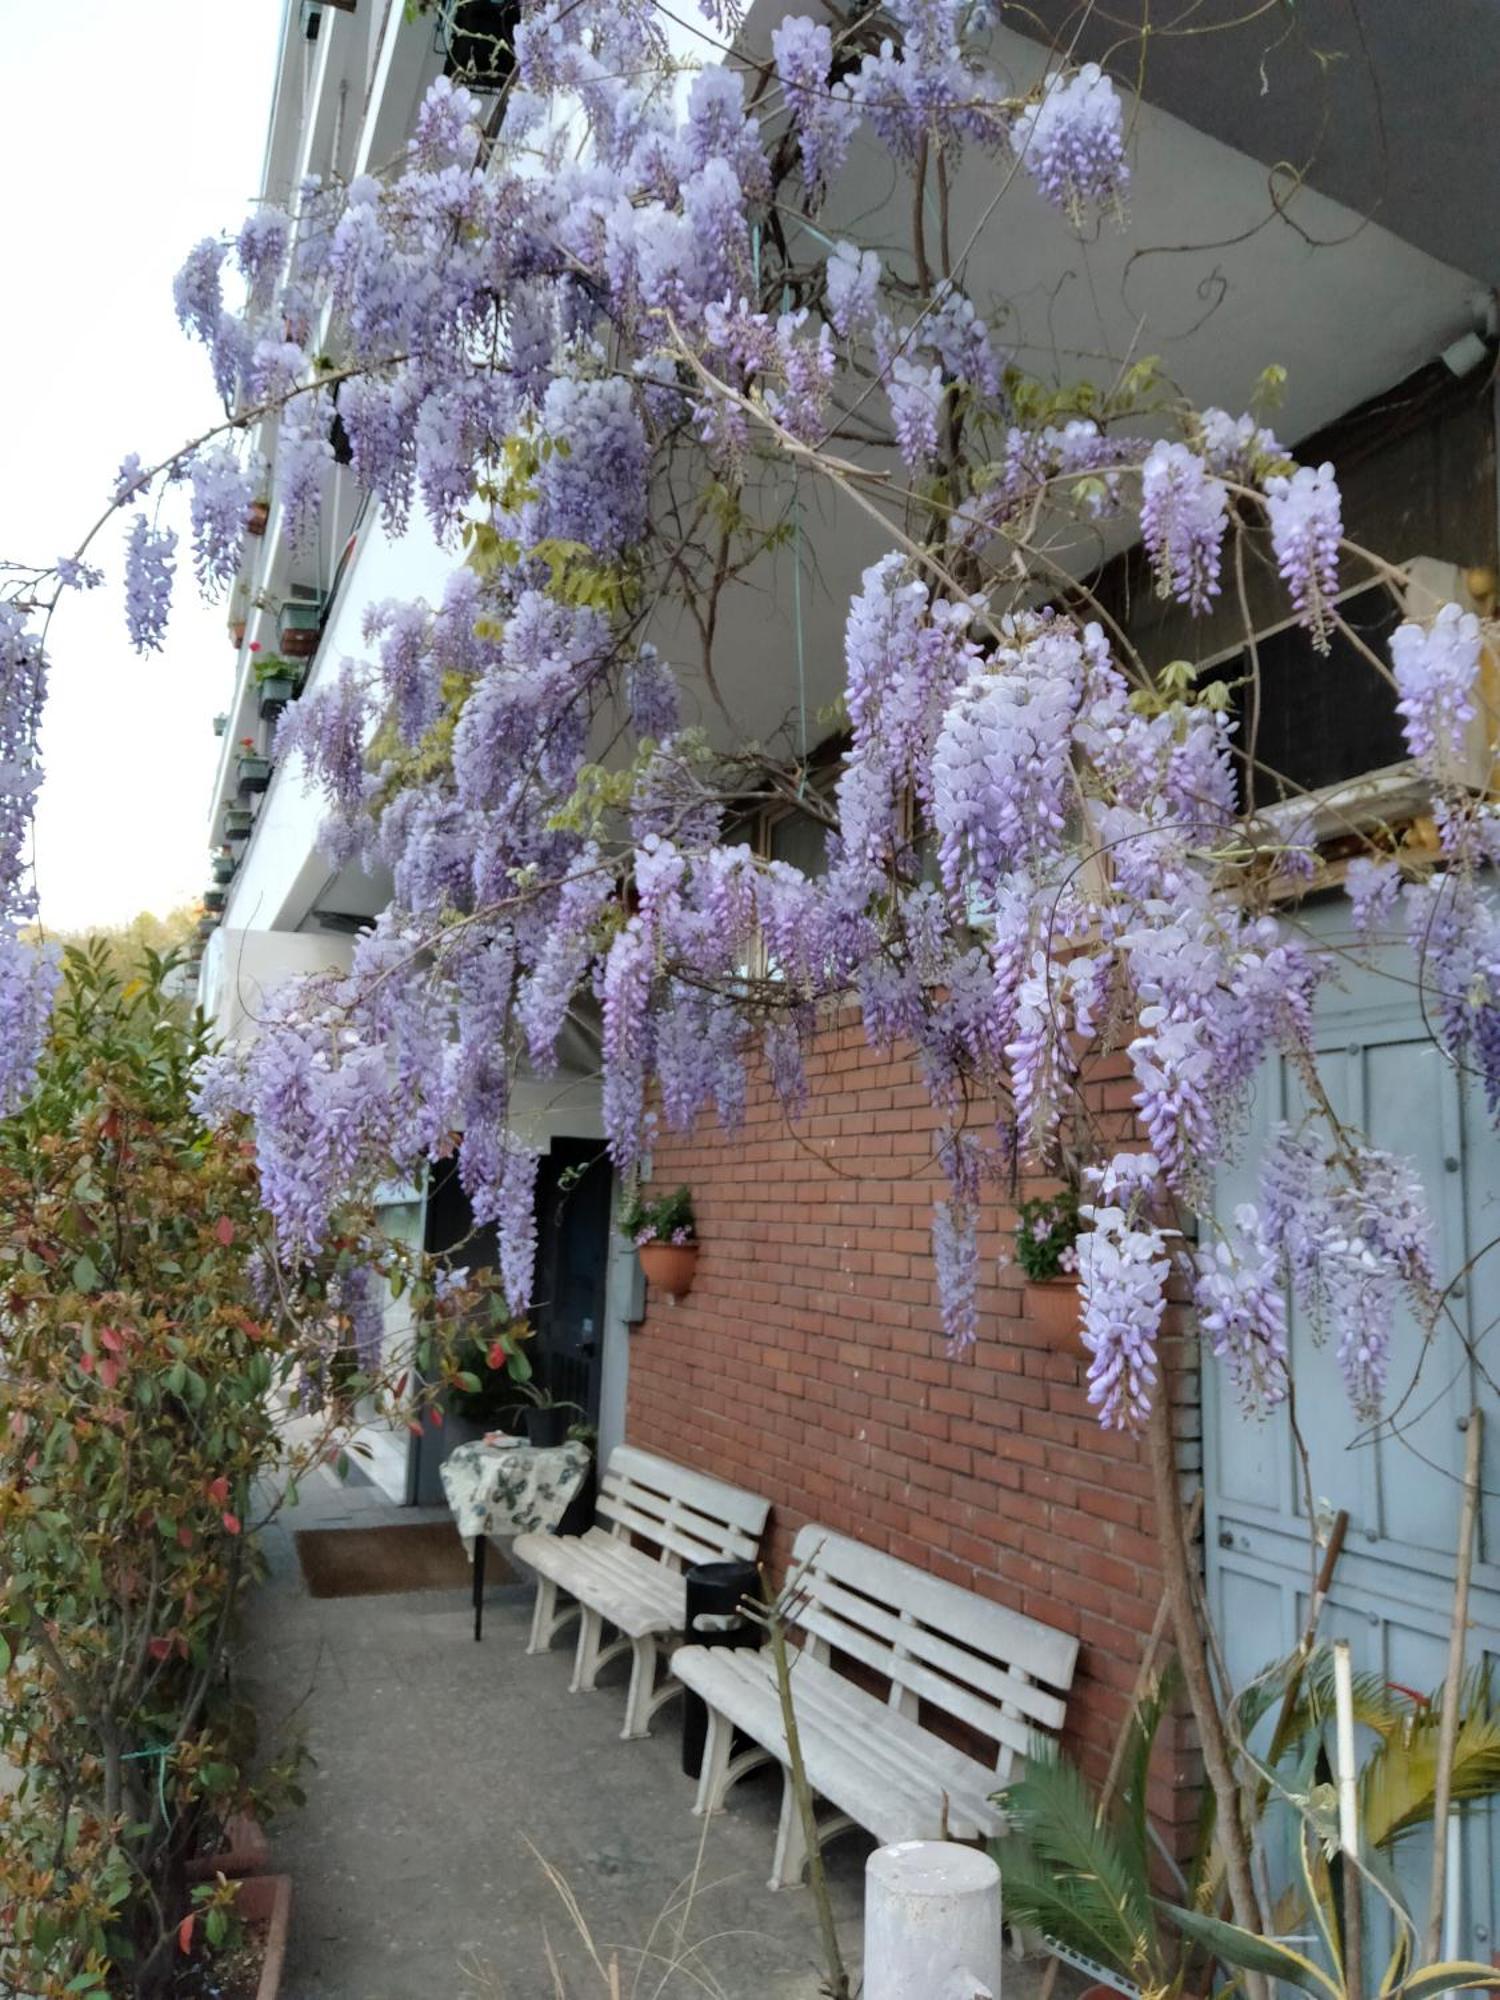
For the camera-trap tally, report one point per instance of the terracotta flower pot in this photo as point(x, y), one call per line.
point(265, 1902)
point(257, 517)
point(1053, 1305)
point(670, 1266)
point(246, 1851)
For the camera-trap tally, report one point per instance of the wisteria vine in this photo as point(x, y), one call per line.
point(1038, 854)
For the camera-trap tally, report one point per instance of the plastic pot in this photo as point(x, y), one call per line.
point(276, 690)
point(299, 625)
point(214, 899)
point(1053, 1305)
point(547, 1423)
point(223, 868)
point(238, 821)
point(254, 774)
point(670, 1266)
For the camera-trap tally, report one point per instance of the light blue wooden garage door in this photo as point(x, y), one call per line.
point(1400, 1480)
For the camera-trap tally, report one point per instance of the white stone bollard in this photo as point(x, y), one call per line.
point(932, 1923)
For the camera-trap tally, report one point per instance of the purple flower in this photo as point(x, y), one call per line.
point(446, 132)
point(360, 1300)
point(1306, 527)
point(1073, 142)
point(652, 689)
point(916, 399)
point(825, 116)
point(222, 492)
point(29, 976)
point(592, 489)
point(1437, 671)
point(1122, 1271)
point(150, 561)
point(955, 1251)
point(130, 479)
point(74, 574)
point(1241, 1306)
point(1372, 885)
point(1183, 512)
point(853, 289)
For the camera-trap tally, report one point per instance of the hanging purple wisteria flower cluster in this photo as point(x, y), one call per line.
point(595, 355)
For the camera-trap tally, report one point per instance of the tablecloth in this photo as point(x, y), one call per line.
point(512, 1488)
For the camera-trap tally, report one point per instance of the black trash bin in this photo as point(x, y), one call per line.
point(714, 1593)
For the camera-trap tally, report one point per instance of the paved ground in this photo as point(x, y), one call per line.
point(449, 1773)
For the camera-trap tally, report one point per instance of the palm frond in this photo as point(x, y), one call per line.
point(1053, 1833)
point(1071, 1909)
point(1398, 1781)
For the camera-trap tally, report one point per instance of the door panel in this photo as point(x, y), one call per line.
point(1399, 1478)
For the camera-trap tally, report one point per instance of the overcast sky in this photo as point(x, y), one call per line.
point(126, 134)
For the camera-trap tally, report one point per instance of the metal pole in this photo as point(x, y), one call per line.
point(932, 1923)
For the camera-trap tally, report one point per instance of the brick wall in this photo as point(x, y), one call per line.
point(808, 1363)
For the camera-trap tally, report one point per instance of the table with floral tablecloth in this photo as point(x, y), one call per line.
point(505, 1486)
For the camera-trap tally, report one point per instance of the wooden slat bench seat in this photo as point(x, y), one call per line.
point(687, 1518)
point(877, 1760)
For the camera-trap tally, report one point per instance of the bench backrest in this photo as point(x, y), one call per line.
point(987, 1667)
point(688, 1517)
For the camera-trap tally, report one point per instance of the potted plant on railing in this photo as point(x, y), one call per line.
point(1046, 1250)
point(278, 679)
point(666, 1239)
point(221, 723)
point(238, 821)
point(299, 625)
point(252, 769)
point(223, 865)
point(258, 515)
point(214, 899)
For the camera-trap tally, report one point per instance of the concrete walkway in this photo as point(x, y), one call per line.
point(447, 1773)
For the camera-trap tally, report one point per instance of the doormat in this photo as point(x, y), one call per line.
point(379, 1562)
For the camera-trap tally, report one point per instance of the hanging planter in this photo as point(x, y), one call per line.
point(665, 1236)
point(221, 723)
point(257, 517)
point(671, 1267)
point(1053, 1305)
point(236, 633)
point(299, 626)
point(253, 771)
point(214, 899)
point(224, 868)
point(238, 821)
point(278, 681)
point(1046, 1250)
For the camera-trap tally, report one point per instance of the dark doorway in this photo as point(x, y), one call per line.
point(572, 1254)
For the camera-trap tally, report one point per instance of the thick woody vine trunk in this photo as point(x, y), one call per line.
point(1192, 1653)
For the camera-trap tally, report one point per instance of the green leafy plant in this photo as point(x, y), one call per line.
point(1087, 1877)
point(1047, 1228)
point(273, 667)
point(488, 1374)
point(669, 1219)
point(149, 1330)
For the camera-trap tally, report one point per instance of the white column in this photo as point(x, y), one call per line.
point(932, 1923)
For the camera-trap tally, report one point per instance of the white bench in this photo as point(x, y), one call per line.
point(687, 1518)
point(945, 1653)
